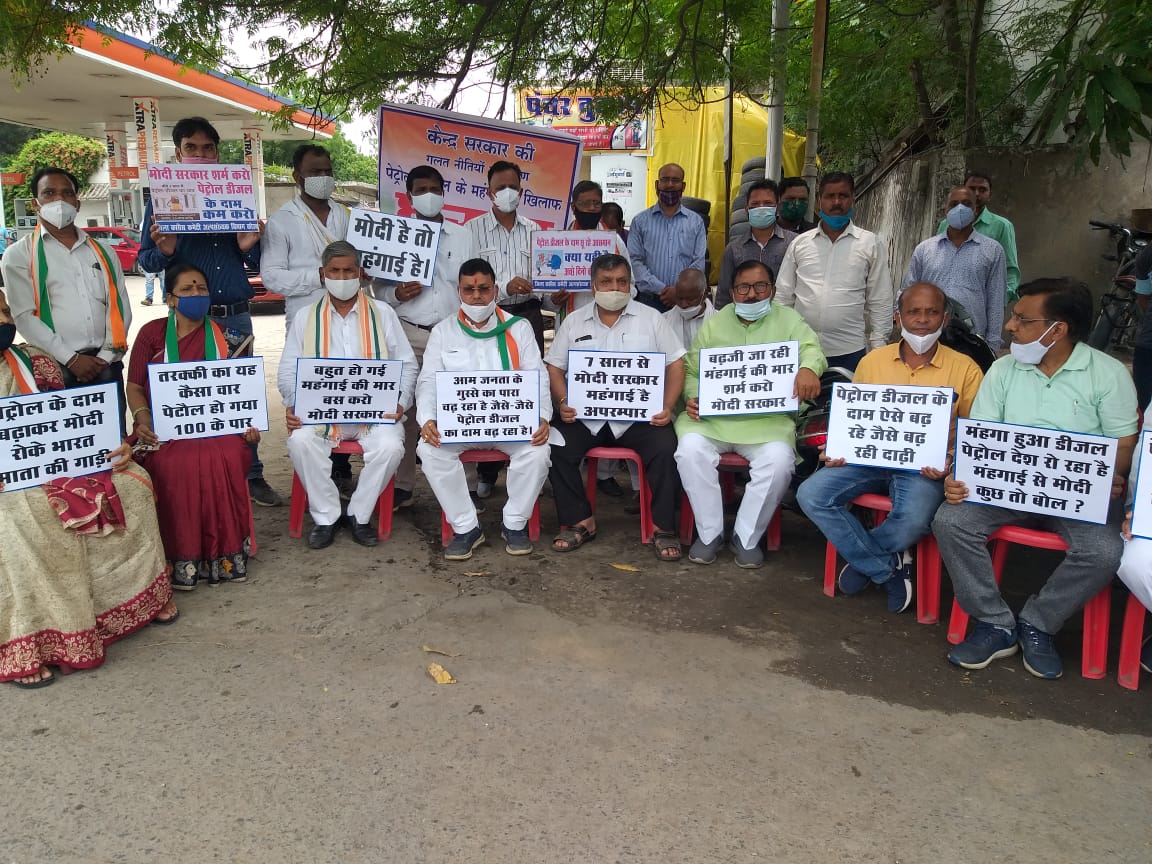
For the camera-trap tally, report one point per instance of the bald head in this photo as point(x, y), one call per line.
point(922, 294)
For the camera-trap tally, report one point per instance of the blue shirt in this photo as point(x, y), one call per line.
point(661, 247)
point(217, 255)
point(974, 274)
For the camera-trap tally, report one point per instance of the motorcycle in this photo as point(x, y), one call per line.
point(1119, 319)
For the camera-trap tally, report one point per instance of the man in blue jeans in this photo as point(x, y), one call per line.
point(879, 556)
point(221, 257)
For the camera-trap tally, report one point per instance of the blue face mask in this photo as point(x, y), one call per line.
point(195, 307)
point(762, 217)
point(960, 216)
point(837, 223)
point(754, 311)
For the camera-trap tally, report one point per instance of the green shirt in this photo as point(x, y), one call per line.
point(1000, 230)
point(724, 330)
point(1091, 393)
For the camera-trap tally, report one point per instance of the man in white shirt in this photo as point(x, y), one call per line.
point(297, 234)
point(67, 290)
point(614, 322)
point(420, 309)
point(476, 337)
point(344, 323)
point(692, 307)
point(837, 278)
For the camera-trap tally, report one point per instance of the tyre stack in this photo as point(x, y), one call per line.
point(703, 209)
point(751, 172)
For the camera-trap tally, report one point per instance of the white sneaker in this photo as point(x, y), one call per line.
point(484, 489)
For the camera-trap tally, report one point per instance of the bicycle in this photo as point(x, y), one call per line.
point(1119, 319)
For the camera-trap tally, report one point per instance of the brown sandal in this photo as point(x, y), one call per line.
point(665, 541)
point(575, 538)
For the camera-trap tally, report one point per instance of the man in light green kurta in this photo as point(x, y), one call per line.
point(767, 441)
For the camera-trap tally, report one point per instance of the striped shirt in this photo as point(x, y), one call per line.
point(509, 252)
point(973, 274)
point(662, 246)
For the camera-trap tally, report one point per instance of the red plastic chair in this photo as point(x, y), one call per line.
point(735, 462)
point(446, 532)
point(1131, 641)
point(927, 563)
point(299, 501)
point(1097, 611)
point(593, 457)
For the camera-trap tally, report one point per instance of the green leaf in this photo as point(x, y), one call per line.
point(1094, 105)
point(1120, 88)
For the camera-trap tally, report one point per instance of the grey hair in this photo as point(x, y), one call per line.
point(695, 278)
point(339, 249)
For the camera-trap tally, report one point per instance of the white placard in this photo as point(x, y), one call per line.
point(487, 406)
point(62, 433)
point(562, 260)
point(1142, 494)
point(395, 247)
point(207, 398)
point(1036, 470)
point(902, 428)
point(338, 390)
point(622, 386)
point(749, 379)
point(198, 199)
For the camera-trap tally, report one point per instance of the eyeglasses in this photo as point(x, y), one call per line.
point(1021, 320)
point(671, 181)
point(744, 289)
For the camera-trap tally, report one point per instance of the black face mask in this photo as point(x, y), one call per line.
point(587, 221)
point(7, 336)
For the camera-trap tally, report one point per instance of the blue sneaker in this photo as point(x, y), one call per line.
point(899, 586)
point(462, 545)
point(986, 643)
point(852, 581)
point(1040, 657)
point(1146, 655)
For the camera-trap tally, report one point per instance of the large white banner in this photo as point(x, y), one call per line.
point(749, 379)
point(903, 428)
point(487, 407)
point(336, 390)
point(198, 199)
point(64, 433)
point(395, 247)
point(208, 398)
point(623, 386)
point(1037, 470)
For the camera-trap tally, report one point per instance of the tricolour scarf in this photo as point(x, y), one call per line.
point(509, 350)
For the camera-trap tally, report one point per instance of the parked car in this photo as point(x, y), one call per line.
point(125, 242)
point(263, 300)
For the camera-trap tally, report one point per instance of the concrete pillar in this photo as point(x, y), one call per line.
point(254, 159)
point(146, 112)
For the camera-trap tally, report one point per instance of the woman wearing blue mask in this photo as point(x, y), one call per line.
point(202, 495)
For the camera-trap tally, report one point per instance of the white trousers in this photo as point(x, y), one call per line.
point(383, 449)
point(771, 467)
point(445, 474)
point(1136, 569)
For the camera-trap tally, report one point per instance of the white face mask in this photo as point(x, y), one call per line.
point(507, 200)
point(920, 344)
point(691, 312)
point(612, 301)
point(342, 289)
point(58, 214)
point(428, 205)
point(320, 188)
point(1031, 353)
point(479, 314)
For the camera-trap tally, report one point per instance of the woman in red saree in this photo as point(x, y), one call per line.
point(202, 491)
point(81, 563)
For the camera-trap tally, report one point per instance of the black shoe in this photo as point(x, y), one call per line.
point(610, 487)
point(363, 533)
point(263, 494)
point(477, 504)
point(401, 499)
point(633, 505)
point(345, 486)
point(322, 536)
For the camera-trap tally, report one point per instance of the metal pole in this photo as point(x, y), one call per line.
point(774, 151)
point(815, 84)
point(729, 96)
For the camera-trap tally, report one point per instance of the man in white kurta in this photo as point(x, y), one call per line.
point(471, 339)
point(345, 323)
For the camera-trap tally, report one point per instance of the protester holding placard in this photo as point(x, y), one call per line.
point(880, 556)
point(479, 337)
point(201, 494)
point(223, 255)
point(419, 308)
point(615, 323)
point(1136, 563)
point(345, 323)
point(1055, 381)
point(67, 288)
point(81, 558)
point(766, 440)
